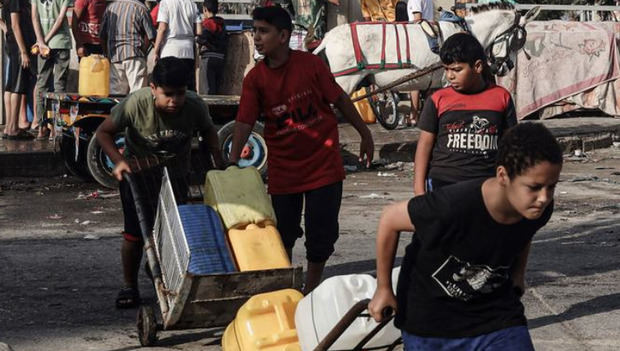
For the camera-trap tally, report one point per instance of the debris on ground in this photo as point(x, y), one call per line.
point(386, 174)
point(372, 196)
point(91, 237)
point(97, 194)
point(55, 216)
point(400, 165)
point(350, 168)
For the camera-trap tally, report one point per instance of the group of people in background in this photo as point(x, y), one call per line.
point(39, 43)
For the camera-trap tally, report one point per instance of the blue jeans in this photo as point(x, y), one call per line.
point(509, 339)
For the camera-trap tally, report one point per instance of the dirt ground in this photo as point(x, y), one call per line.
point(60, 271)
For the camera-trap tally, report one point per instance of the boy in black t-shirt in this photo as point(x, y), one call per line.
point(463, 273)
point(461, 124)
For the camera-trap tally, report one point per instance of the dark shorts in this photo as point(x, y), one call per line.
point(509, 339)
point(148, 186)
point(322, 206)
point(18, 79)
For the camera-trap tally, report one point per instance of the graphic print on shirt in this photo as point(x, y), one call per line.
point(298, 114)
point(463, 280)
point(476, 138)
point(167, 141)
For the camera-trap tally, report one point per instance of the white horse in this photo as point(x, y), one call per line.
point(497, 25)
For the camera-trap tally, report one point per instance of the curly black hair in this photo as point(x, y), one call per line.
point(526, 145)
point(462, 47)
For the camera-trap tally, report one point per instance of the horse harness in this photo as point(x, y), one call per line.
point(512, 39)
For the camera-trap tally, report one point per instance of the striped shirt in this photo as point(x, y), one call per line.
point(125, 25)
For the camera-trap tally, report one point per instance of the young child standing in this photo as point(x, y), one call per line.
point(294, 90)
point(461, 124)
point(463, 274)
point(213, 42)
point(53, 35)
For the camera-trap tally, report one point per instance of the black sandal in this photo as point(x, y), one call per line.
point(128, 298)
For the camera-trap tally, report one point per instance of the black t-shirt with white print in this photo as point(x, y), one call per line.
point(456, 276)
point(467, 129)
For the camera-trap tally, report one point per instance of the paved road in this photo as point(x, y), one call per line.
point(60, 261)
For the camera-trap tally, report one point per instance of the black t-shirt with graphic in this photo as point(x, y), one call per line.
point(22, 7)
point(468, 128)
point(456, 276)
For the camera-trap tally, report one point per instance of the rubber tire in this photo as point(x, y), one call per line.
point(147, 325)
point(385, 106)
point(67, 150)
point(225, 135)
point(100, 172)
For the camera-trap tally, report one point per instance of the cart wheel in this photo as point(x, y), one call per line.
point(147, 325)
point(99, 165)
point(255, 153)
point(67, 150)
point(385, 106)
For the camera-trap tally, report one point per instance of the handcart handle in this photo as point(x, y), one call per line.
point(346, 321)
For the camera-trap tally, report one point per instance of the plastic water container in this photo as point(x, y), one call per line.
point(94, 76)
point(266, 322)
point(239, 196)
point(209, 252)
point(319, 311)
point(258, 247)
point(363, 107)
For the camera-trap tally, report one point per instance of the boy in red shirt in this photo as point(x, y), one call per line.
point(294, 90)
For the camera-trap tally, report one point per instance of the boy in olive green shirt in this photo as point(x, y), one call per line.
point(156, 120)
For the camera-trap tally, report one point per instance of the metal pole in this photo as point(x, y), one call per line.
point(402, 80)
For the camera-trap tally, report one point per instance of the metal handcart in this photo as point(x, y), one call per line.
point(358, 311)
point(186, 300)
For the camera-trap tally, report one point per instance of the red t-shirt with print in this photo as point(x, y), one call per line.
point(301, 130)
point(90, 19)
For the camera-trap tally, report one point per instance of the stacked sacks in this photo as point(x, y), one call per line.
point(265, 322)
point(239, 196)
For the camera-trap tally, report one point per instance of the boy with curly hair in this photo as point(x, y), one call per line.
point(462, 276)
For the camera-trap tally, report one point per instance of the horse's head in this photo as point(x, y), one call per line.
point(501, 31)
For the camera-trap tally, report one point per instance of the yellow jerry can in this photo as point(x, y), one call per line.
point(258, 247)
point(94, 76)
point(239, 196)
point(266, 322)
point(363, 107)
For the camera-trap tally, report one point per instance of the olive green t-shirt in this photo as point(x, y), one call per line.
point(48, 11)
point(149, 132)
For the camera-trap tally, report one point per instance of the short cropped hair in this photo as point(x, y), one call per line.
point(211, 5)
point(274, 15)
point(171, 72)
point(526, 145)
point(462, 47)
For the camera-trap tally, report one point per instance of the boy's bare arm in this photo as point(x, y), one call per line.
point(57, 24)
point(161, 31)
point(367, 146)
point(38, 32)
point(394, 219)
point(214, 146)
point(105, 136)
point(77, 13)
point(240, 137)
point(518, 273)
point(422, 159)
